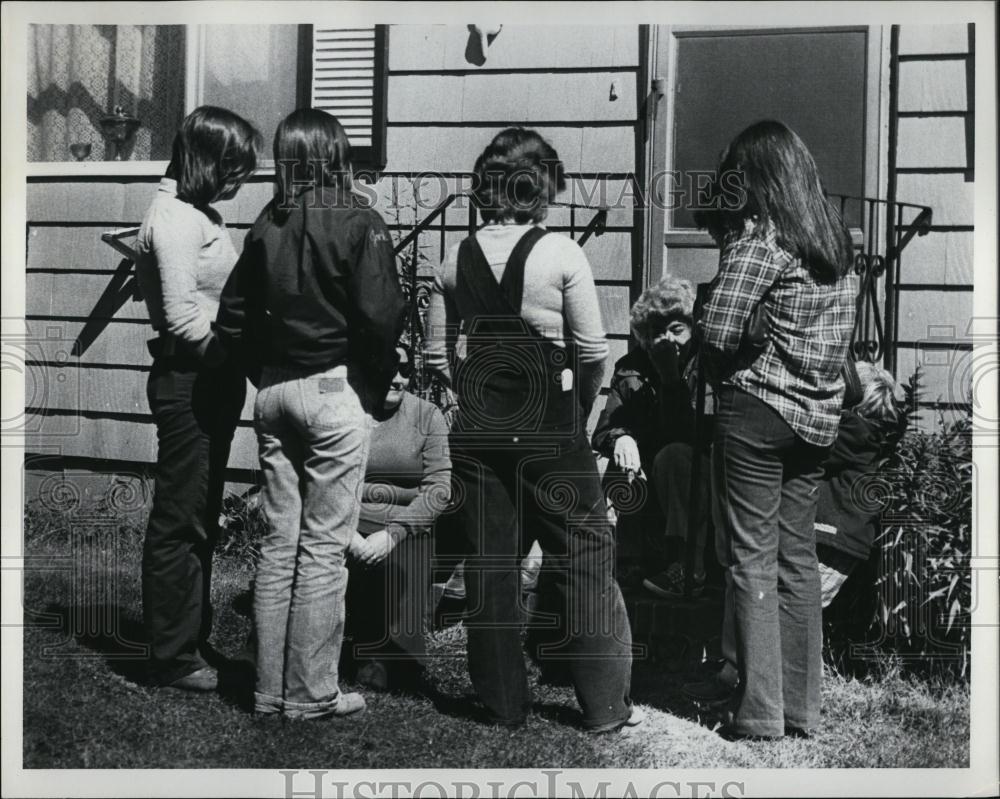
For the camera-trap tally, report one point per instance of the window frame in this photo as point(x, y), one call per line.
point(366, 159)
point(875, 147)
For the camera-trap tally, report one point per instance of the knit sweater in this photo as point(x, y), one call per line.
point(184, 256)
point(408, 477)
point(559, 302)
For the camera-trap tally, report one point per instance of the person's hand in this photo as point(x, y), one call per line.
point(357, 547)
point(377, 547)
point(665, 356)
point(626, 454)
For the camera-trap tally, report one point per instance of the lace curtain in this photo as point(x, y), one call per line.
point(79, 73)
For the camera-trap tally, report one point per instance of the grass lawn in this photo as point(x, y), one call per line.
point(84, 706)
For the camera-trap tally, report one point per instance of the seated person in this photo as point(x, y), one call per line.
point(407, 485)
point(647, 427)
point(846, 526)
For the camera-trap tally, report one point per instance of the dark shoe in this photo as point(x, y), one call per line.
point(204, 679)
point(713, 691)
point(727, 733)
point(669, 584)
point(797, 732)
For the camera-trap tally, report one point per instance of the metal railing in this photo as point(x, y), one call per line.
point(876, 323)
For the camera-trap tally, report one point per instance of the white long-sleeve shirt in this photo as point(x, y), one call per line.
point(184, 257)
point(559, 301)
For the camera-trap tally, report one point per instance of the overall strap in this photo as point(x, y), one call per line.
point(512, 282)
point(478, 284)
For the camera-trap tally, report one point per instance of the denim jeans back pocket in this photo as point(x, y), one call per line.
point(329, 402)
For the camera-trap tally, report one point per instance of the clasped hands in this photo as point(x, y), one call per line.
point(373, 549)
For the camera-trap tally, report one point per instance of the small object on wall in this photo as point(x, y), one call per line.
point(613, 93)
point(81, 150)
point(480, 38)
point(119, 128)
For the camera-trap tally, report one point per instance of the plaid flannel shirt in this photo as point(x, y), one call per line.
point(809, 329)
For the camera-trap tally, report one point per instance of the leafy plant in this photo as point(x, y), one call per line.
point(912, 600)
point(242, 524)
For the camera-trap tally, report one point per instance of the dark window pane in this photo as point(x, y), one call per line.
point(252, 70)
point(814, 82)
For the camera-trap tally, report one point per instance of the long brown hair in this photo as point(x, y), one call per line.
point(311, 149)
point(781, 185)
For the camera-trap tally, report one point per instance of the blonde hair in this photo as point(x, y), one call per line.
point(882, 398)
point(670, 298)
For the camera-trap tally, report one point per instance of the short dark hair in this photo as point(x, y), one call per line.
point(781, 185)
point(516, 177)
point(306, 139)
point(214, 152)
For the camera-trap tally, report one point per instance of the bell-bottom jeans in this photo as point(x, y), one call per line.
point(766, 480)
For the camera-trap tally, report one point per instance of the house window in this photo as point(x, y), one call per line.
point(79, 73)
point(812, 80)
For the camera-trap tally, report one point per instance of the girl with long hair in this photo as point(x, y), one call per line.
point(195, 392)
point(315, 305)
point(785, 260)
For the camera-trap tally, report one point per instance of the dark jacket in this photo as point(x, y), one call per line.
point(316, 287)
point(654, 412)
point(848, 507)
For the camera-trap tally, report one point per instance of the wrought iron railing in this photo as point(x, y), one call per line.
point(878, 263)
point(416, 282)
point(876, 323)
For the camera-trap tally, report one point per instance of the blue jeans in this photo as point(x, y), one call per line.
point(766, 480)
point(313, 436)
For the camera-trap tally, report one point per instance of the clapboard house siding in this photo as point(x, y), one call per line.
point(934, 166)
point(86, 327)
point(577, 85)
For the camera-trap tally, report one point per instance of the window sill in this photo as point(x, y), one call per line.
point(95, 169)
point(153, 170)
